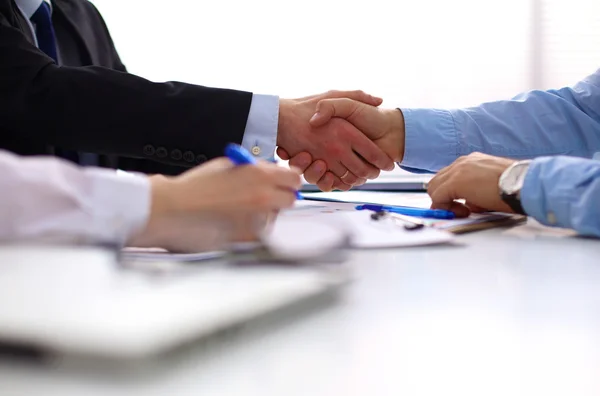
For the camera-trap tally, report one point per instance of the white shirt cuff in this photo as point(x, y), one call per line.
point(120, 204)
point(260, 136)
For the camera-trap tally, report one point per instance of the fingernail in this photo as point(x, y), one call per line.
point(319, 168)
point(315, 116)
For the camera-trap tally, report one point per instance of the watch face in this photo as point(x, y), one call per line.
point(513, 178)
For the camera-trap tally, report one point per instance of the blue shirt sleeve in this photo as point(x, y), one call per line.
point(537, 123)
point(565, 192)
point(260, 135)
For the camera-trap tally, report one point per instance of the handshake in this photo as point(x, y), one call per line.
point(340, 139)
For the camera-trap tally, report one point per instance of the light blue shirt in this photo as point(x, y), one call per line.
point(552, 124)
point(260, 136)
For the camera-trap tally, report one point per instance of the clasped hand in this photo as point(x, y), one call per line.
point(350, 152)
point(350, 140)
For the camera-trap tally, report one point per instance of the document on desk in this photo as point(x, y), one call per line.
point(385, 233)
point(343, 200)
point(157, 254)
point(363, 231)
point(417, 200)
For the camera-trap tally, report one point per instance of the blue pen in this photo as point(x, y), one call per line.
point(240, 156)
point(408, 211)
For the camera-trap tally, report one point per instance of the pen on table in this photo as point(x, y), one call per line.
point(408, 211)
point(240, 156)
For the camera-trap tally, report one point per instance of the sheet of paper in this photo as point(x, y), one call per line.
point(417, 200)
point(157, 254)
point(385, 233)
point(308, 208)
point(364, 232)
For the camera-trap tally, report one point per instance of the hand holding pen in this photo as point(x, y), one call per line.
point(240, 156)
point(183, 209)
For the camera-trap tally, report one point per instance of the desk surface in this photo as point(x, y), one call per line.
point(498, 315)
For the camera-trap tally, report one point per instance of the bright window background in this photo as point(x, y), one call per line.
point(425, 53)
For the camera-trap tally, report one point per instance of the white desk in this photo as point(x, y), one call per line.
point(498, 316)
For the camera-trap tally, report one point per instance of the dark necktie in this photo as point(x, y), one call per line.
point(46, 38)
point(44, 31)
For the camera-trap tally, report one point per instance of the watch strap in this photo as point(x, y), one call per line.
point(514, 201)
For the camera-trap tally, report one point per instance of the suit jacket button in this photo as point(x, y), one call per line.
point(149, 150)
point(176, 154)
point(161, 152)
point(200, 158)
point(189, 156)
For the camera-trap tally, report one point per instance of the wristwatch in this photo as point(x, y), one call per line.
point(511, 183)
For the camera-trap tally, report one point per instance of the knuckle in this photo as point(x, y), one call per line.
point(324, 185)
point(343, 187)
point(463, 166)
point(373, 174)
point(430, 188)
point(362, 173)
point(311, 178)
point(350, 179)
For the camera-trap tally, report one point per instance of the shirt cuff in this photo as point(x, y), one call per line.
point(119, 204)
point(548, 207)
point(431, 141)
point(260, 136)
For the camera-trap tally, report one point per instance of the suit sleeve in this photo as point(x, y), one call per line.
point(95, 109)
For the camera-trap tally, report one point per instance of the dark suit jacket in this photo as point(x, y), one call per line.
point(101, 108)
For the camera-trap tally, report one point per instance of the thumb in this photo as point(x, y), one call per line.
point(329, 108)
point(363, 97)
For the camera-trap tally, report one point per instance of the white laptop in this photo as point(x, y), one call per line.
point(80, 301)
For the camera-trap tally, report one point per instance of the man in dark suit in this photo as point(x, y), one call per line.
point(89, 103)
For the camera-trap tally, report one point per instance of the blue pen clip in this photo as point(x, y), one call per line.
point(409, 211)
point(240, 156)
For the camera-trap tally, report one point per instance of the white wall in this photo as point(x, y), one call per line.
point(571, 41)
point(413, 53)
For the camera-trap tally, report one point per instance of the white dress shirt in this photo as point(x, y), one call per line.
point(28, 8)
point(50, 199)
